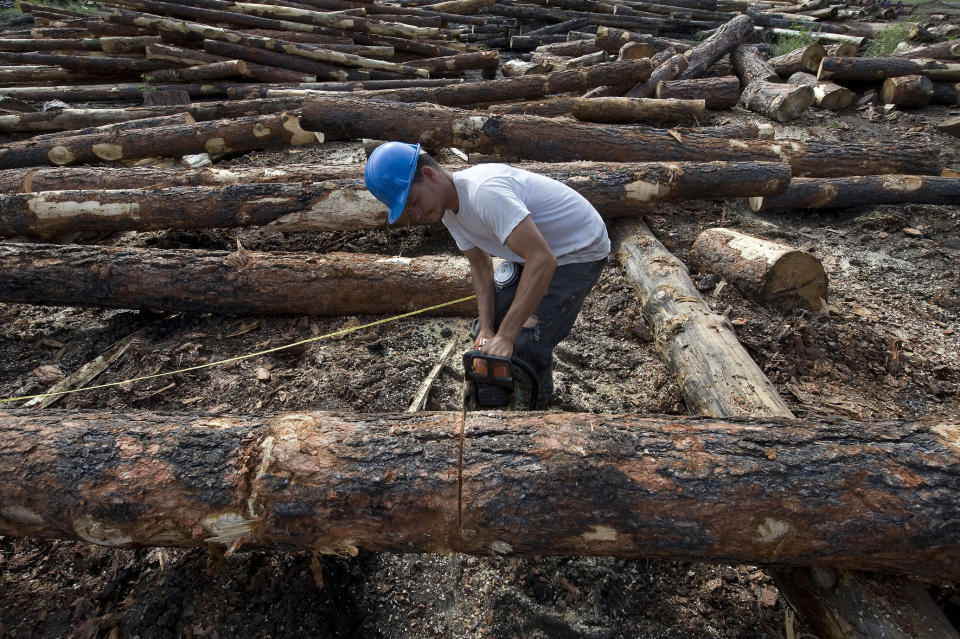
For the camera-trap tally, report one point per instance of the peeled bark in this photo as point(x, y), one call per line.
point(717, 93)
point(515, 68)
point(343, 204)
point(802, 59)
point(873, 69)
point(545, 139)
point(638, 110)
point(780, 102)
point(822, 193)
point(826, 95)
point(221, 282)
point(723, 41)
point(776, 275)
point(445, 482)
point(218, 136)
point(907, 91)
point(750, 65)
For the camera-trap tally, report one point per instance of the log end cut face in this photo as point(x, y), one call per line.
point(797, 280)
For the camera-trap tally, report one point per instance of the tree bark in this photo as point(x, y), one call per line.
point(718, 94)
point(636, 110)
point(487, 61)
point(313, 68)
point(826, 95)
point(25, 74)
point(780, 102)
point(200, 72)
point(873, 69)
point(515, 68)
point(627, 73)
point(545, 139)
point(103, 66)
point(342, 204)
point(569, 49)
point(218, 136)
point(221, 282)
point(668, 70)
point(822, 193)
point(946, 93)
point(844, 50)
point(729, 36)
point(907, 91)
point(610, 39)
point(26, 45)
point(191, 57)
point(129, 125)
point(454, 483)
point(750, 65)
point(802, 59)
point(946, 50)
point(775, 275)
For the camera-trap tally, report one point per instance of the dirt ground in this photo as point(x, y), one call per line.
point(887, 344)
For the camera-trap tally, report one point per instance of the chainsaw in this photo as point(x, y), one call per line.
point(507, 383)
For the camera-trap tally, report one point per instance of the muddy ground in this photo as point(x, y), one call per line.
point(886, 344)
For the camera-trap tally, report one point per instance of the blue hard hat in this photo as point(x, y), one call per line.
point(389, 174)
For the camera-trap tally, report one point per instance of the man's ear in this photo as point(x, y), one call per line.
point(430, 173)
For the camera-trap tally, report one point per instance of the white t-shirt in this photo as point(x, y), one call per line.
point(494, 198)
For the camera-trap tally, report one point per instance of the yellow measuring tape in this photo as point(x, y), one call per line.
point(342, 331)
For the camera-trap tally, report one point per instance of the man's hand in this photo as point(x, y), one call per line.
point(497, 347)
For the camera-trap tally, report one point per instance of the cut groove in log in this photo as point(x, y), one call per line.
point(775, 275)
point(848, 192)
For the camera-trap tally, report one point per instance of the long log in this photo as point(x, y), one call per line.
point(488, 61)
point(881, 68)
point(320, 70)
point(257, 71)
point(718, 93)
point(826, 95)
point(128, 125)
point(638, 110)
point(105, 66)
point(36, 73)
point(729, 36)
point(774, 274)
point(200, 72)
point(946, 50)
point(822, 193)
point(610, 39)
point(545, 139)
point(120, 91)
point(218, 136)
point(227, 199)
point(750, 65)
point(946, 93)
point(222, 282)
point(780, 102)
point(620, 485)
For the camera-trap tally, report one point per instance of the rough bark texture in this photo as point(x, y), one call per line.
point(616, 190)
point(946, 50)
point(200, 72)
point(750, 65)
point(907, 91)
point(219, 136)
point(103, 66)
point(718, 93)
point(946, 93)
point(129, 125)
point(873, 69)
point(775, 275)
point(545, 139)
point(780, 102)
point(610, 39)
point(256, 70)
point(239, 282)
point(119, 91)
point(723, 41)
point(444, 66)
point(281, 60)
point(667, 70)
point(638, 110)
point(820, 193)
point(803, 59)
point(826, 95)
point(827, 493)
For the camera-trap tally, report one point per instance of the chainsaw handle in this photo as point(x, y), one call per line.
point(514, 365)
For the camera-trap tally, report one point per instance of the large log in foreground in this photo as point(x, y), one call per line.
point(240, 282)
point(546, 139)
point(760, 491)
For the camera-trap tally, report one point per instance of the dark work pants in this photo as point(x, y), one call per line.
point(556, 314)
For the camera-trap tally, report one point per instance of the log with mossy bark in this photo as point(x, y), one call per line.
point(718, 94)
point(217, 136)
point(907, 91)
point(638, 110)
point(242, 281)
point(847, 192)
point(546, 139)
point(463, 484)
point(334, 199)
point(774, 274)
point(780, 102)
point(826, 95)
point(881, 68)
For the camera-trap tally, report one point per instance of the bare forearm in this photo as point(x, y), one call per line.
point(532, 287)
point(481, 273)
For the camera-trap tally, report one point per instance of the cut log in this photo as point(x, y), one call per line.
point(222, 282)
point(36, 73)
point(570, 49)
point(849, 192)
point(873, 69)
point(801, 59)
point(104, 66)
point(826, 95)
point(946, 50)
point(52, 44)
point(636, 110)
point(907, 91)
point(460, 6)
point(780, 102)
point(515, 68)
point(218, 136)
point(775, 275)
point(668, 70)
point(717, 93)
point(318, 70)
point(847, 50)
point(129, 125)
point(257, 71)
point(729, 36)
point(610, 39)
point(118, 91)
point(821, 36)
point(636, 50)
point(343, 204)
point(545, 139)
point(488, 61)
point(460, 483)
point(946, 93)
point(200, 72)
point(750, 65)
point(628, 73)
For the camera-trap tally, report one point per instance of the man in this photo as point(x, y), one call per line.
point(552, 234)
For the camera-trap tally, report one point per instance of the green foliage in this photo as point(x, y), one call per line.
point(889, 37)
point(786, 44)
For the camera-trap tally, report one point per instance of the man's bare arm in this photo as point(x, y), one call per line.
point(481, 273)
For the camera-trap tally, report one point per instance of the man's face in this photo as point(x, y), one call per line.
point(426, 201)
